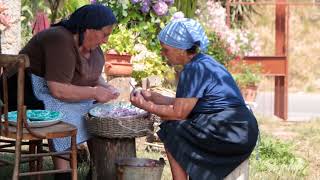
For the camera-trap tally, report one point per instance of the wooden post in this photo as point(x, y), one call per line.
point(277, 65)
point(281, 82)
point(105, 152)
point(228, 20)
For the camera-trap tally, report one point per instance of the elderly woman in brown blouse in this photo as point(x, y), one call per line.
point(66, 65)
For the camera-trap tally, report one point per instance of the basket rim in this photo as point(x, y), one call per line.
point(142, 115)
point(118, 128)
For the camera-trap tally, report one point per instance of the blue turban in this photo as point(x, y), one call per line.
point(92, 16)
point(183, 34)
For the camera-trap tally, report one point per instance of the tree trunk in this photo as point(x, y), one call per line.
point(105, 152)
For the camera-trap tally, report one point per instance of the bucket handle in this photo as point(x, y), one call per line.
point(120, 173)
point(162, 161)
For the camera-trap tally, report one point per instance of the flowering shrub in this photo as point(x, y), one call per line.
point(141, 20)
point(4, 19)
point(219, 49)
point(160, 7)
point(142, 17)
point(230, 42)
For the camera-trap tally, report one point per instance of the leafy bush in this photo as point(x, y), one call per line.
point(122, 40)
point(28, 11)
point(147, 63)
point(145, 23)
point(188, 7)
point(69, 6)
point(275, 155)
point(140, 27)
point(30, 7)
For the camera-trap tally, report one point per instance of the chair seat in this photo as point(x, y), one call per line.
point(59, 130)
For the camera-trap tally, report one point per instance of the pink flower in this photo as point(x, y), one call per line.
point(237, 58)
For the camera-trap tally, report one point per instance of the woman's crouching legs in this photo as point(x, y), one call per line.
point(58, 162)
point(177, 172)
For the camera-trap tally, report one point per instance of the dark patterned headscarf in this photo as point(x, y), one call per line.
point(92, 16)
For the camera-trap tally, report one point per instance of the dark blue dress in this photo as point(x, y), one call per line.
point(220, 132)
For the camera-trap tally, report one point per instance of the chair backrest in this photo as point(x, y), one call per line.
point(11, 65)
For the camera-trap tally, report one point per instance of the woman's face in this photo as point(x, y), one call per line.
point(94, 38)
point(174, 56)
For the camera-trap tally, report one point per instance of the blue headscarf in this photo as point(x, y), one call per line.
point(183, 34)
point(91, 16)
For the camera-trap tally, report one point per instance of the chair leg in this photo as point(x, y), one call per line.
point(73, 161)
point(40, 159)
point(16, 170)
point(32, 150)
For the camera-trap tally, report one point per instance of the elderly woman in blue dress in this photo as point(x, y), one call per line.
point(207, 129)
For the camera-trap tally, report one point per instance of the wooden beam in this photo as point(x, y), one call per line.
point(271, 65)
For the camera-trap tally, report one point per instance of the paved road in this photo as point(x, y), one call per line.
point(302, 106)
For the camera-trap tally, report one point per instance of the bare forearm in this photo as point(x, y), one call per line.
point(167, 111)
point(69, 92)
point(161, 100)
point(179, 108)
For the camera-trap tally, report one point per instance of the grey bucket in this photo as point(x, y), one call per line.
point(139, 169)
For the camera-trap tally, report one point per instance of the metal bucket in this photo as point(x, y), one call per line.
point(139, 169)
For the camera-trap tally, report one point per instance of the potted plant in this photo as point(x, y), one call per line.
point(118, 52)
point(247, 76)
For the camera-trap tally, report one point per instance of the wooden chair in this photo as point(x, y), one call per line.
point(23, 134)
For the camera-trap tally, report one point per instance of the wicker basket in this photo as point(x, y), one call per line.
point(122, 127)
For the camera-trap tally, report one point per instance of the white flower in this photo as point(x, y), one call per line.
point(138, 67)
point(177, 15)
point(139, 47)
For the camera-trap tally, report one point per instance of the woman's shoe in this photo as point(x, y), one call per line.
point(89, 175)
